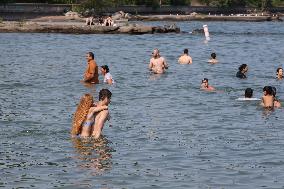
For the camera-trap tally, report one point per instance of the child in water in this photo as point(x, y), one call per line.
point(205, 85)
point(267, 98)
point(89, 119)
point(276, 103)
point(248, 95)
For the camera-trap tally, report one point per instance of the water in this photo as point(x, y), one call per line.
point(164, 132)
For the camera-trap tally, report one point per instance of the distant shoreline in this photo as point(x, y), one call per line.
point(70, 25)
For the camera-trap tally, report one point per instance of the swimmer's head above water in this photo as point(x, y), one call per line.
point(156, 53)
point(248, 93)
point(213, 55)
point(243, 68)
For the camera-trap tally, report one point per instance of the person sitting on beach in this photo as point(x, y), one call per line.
point(213, 59)
point(157, 63)
point(108, 21)
point(277, 103)
point(279, 73)
point(91, 74)
point(248, 95)
point(185, 58)
point(107, 76)
point(267, 98)
point(242, 70)
point(101, 21)
point(90, 21)
point(89, 119)
point(205, 85)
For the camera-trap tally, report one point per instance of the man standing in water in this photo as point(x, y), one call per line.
point(185, 58)
point(157, 63)
point(91, 74)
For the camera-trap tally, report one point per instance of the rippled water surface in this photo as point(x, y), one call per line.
point(164, 132)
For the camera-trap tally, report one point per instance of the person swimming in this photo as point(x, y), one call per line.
point(205, 85)
point(267, 100)
point(242, 70)
point(248, 95)
point(279, 73)
point(213, 59)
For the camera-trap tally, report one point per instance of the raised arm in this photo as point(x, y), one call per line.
point(97, 109)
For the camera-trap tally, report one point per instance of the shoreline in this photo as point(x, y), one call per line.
point(76, 25)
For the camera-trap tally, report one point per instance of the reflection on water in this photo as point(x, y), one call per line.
point(93, 154)
point(166, 132)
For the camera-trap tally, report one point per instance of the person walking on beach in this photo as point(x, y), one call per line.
point(185, 58)
point(91, 74)
point(157, 63)
point(242, 70)
point(89, 118)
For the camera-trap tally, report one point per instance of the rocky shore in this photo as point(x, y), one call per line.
point(197, 17)
point(81, 28)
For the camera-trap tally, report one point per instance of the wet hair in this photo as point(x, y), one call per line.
point(105, 67)
point(242, 67)
point(274, 91)
point(278, 69)
point(185, 51)
point(205, 79)
point(268, 90)
point(91, 55)
point(213, 55)
point(248, 92)
point(79, 117)
point(104, 93)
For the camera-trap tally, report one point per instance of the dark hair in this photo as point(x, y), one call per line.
point(248, 92)
point(91, 54)
point(268, 90)
point(213, 55)
point(104, 93)
point(278, 70)
point(274, 91)
point(205, 79)
point(185, 51)
point(105, 67)
point(242, 67)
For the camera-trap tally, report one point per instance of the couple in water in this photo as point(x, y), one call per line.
point(90, 117)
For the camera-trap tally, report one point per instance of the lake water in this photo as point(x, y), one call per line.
point(164, 132)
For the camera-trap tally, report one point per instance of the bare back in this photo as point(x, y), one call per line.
point(158, 65)
point(185, 59)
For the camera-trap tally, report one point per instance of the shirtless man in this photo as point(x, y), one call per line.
point(103, 116)
point(185, 58)
point(91, 74)
point(157, 63)
point(213, 59)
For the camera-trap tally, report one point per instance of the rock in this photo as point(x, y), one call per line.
point(126, 29)
point(141, 29)
point(197, 31)
point(172, 28)
point(72, 14)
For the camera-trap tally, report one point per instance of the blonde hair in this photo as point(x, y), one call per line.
point(79, 117)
